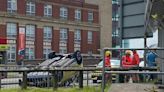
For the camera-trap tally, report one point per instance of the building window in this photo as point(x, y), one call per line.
point(48, 10)
point(11, 30)
point(77, 36)
point(11, 6)
point(48, 33)
point(77, 14)
point(63, 34)
point(90, 37)
point(46, 51)
point(11, 53)
point(63, 13)
point(30, 31)
point(63, 50)
point(90, 16)
point(30, 8)
point(29, 53)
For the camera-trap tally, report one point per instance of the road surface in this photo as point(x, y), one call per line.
point(133, 87)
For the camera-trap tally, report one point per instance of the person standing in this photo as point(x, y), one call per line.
point(108, 64)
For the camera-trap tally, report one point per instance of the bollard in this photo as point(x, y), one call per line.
point(80, 79)
point(55, 80)
point(24, 84)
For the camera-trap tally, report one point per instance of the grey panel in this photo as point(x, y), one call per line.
point(161, 53)
point(133, 9)
point(131, 21)
point(133, 13)
point(131, 1)
point(133, 32)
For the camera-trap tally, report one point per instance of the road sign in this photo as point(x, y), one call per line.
point(132, 17)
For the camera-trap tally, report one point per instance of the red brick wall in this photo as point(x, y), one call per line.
point(39, 43)
point(55, 40)
point(95, 17)
point(96, 41)
point(56, 11)
point(21, 6)
point(84, 41)
point(70, 43)
point(39, 9)
point(84, 15)
point(3, 31)
point(94, 46)
point(71, 14)
point(3, 5)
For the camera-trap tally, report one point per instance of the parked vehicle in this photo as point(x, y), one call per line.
point(96, 76)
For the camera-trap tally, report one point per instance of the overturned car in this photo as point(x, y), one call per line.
point(44, 79)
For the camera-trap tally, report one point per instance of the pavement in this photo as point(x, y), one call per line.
point(134, 87)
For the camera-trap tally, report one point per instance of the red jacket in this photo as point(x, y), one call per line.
point(107, 62)
point(136, 59)
point(126, 61)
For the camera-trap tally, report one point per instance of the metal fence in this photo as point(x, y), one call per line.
point(134, 72)
point(23, 77)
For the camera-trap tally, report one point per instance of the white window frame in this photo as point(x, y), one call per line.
point(48, 10)
point(11, 6)
point(77, 14)
point(31, 6)
point(47, 31)
point(11, 30)
point(30, 31)
point(90, 37)
point(63, 50)
point(90, 16)
point(10, 51)
point(77, 36)
point(46, 51)
point(63, 12)
point(28, 51)
point(63, 34)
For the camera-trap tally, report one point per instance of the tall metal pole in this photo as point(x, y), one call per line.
point(145, 46)
point(120, 24)
point(103, 71)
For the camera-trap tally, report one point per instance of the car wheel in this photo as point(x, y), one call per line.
point(78, 57)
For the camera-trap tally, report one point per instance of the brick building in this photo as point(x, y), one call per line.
point(59, 25)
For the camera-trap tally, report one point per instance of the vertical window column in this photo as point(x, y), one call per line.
point(11, 41)
point(30, 39)
point(77, 39)
point(63, 40)
point(47, 41)
point(90, 37)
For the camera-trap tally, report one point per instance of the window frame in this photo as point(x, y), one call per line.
point(90, 37)
point(47, 30)
point(48, 10)
point(31, 5)
point(90, 16)
point(78, 14)
point(13, 7)
point(63, 34)
point(63, 13)
point(10, 28)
